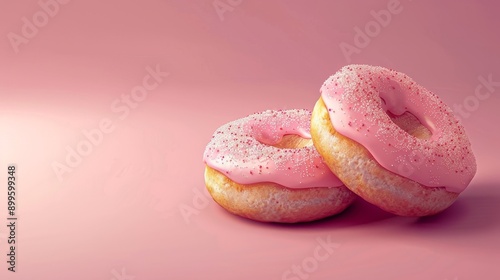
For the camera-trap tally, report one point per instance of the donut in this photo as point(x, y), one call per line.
point(264, 167)
point(391, 141)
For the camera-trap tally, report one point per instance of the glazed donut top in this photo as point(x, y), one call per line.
point(358, 98)
point(242, 150)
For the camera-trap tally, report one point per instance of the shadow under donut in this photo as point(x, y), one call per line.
point(476, 210)
point(357, 214)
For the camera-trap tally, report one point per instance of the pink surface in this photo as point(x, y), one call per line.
point(102, 92)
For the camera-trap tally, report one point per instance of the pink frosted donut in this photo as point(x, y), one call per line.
point(264, 167)
point(407, 153)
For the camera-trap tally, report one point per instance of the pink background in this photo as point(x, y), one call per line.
point(118, 212)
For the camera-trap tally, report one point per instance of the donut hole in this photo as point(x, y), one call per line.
point(292, 141)
point(411, 124)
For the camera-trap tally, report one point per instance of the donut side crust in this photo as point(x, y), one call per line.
point(361, 173)
point(270, 202)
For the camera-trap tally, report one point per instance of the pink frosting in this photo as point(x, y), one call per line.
point(242, 151)
point(358, 98)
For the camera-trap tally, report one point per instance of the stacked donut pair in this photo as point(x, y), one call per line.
point(373, 133)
